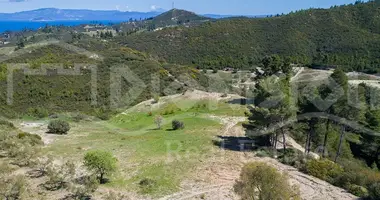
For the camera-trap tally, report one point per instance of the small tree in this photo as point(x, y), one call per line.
point(58, 127)
point(260, 181)
point(101, 163)
point(156, 98)
point(176, 125)
point(158, 120)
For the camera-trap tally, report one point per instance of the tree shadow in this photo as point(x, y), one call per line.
point(104, 181)
point(154, 129)
point(233, 143)
point(72, 196)
point(241, 101)
point(35, 173)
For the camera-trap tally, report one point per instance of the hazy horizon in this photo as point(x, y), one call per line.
point(239, 7)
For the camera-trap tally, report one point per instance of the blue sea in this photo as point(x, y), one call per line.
point(20, 25)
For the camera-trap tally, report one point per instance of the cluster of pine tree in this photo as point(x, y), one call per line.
point(331, 117)
point(105, 35)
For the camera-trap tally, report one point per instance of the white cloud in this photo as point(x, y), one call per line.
point(154, 7)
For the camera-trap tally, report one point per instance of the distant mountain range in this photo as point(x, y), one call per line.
point(54, 14)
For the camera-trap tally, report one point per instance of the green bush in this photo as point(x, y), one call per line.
point(357, 190)
point(32, 139)
point(374, 191)
point(323, 169)
point(38, 112)
point(103, 116)
point(272, 184)
point(147, 185)
point(7, 123)
point(170, 109)
point(58, 127)
point(176, 125)
point(265, 152)
point(53, 116)
point(356, 173)
point(78, 117)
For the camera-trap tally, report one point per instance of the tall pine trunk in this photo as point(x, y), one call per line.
point(307, 142)
point(275, 136)
point(326, 138)
point(283, 139)
point(340, 142)
point(309, 136)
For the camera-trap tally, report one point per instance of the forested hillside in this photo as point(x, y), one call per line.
point(346, 35)
point(39, 95)
point(176, 17)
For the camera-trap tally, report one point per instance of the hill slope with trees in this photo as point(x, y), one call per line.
point(42, 94)
point(346, 35)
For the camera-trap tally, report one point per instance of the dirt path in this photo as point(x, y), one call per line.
point(38, 128)
point(372, 83)
point(216, 177)
point(297, 74)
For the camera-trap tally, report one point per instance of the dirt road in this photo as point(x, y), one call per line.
point(215, 178)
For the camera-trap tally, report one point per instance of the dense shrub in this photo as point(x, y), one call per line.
point(38, 112)
point(170, 109)
point(103, 116)
point(357, 190)
point(374, 191)
point(147, 184)
point(14, 187)
point(272, 184)
point(265, 152)
point(58, 176)
point(88, 185)
point(32, 139)
point(78, 117)
point(294, 158)
point(7, 123)
point(323, 169)
point(58, 127)
point(53, 116)
point(356, 173)
point(176, 125)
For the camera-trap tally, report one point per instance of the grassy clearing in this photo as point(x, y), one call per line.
point(163, 156)
point(151, 161)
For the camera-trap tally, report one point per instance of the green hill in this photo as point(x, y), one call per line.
point(46, 94)
point(342, 35)
point(176, 17)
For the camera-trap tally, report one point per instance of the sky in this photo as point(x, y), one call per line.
point(227, 7)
